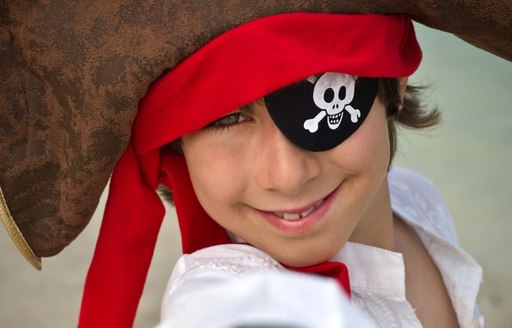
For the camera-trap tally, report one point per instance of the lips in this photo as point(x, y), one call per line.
point(303, 219)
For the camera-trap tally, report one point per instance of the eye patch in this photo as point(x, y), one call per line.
point(319, 115)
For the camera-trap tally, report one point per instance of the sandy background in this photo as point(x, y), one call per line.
point(469, 157)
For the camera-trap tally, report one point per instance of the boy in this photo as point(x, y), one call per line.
point(300, 174)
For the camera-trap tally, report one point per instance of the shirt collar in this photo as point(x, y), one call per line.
point(363, 261)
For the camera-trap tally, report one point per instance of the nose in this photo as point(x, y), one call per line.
point(285, 167)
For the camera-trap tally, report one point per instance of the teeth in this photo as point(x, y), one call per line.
point(307, 212)
point(287, 216)
point(292, 217)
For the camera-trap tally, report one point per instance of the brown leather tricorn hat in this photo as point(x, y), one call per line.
point(72, 74)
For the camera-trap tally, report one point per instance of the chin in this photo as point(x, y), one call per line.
point(305, 258)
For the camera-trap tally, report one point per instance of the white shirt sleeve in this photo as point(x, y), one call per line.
point(240, 286)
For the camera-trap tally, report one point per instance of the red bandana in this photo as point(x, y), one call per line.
point(336, 270)
point(233, 70)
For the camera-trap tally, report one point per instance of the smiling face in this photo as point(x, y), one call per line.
point(298, 206)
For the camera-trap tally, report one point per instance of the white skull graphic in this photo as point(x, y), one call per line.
point(332, 93)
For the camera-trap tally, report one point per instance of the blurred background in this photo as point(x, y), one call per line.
point(469, 158)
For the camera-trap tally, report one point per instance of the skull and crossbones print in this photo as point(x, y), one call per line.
point(333, 93)
point(299, 109)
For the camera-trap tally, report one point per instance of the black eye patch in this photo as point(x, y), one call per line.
point(319, 115)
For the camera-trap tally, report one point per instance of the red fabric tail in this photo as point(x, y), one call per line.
point(128, 234)
point(336, 270)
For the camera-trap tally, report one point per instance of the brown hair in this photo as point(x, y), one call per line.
point(409, 112)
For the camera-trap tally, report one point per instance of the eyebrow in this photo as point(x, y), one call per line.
point(252, 106)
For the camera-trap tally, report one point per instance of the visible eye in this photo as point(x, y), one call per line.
point(228, 120)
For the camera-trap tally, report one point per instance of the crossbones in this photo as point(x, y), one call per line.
point(333, 93)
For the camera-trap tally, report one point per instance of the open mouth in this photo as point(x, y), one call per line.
point(302, 219)
point(297, 216)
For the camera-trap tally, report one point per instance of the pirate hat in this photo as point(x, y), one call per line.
point(72, 76)
point(73, 73)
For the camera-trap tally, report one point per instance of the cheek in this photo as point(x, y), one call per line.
point(368, 149)
point(377, 148)
point(216, 176)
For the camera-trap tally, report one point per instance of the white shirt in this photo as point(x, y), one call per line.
point(235, 285)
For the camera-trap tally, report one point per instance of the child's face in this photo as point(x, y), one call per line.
point(246, 174)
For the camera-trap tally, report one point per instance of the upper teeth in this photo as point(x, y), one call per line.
point(289, 216)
